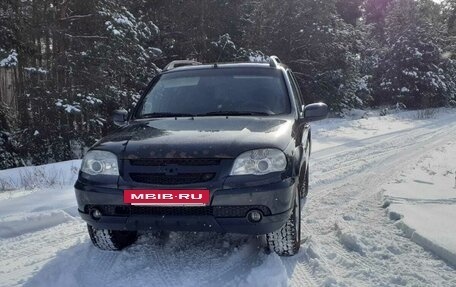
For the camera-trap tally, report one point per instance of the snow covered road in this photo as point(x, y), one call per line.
point(353, 242)
point(349, 238)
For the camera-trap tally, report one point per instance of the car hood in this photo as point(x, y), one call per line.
point(211, 137)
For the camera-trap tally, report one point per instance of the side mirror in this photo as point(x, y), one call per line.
point(119, 117)
point(315, 112)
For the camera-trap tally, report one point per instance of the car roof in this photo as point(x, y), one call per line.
point(222, 66)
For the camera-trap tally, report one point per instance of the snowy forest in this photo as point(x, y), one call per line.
point(66, 65)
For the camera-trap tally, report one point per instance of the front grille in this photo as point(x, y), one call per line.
point(175, 161)
point(163, 179)
point(216, 211)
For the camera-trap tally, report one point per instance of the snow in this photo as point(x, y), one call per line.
point(360, 125)
point(38, 70)
point(16, 225)
point(372, 218)
point(74, 108)
point(257, 58)
point(70, 108)
point(354, 113)
point(423, 199)
point(405, 90)
point(431, 226)
point(121, 19)
point(156, 51)
point(271, 273)
point(92, 100)
point(418, 54)
point(10, 60)
point(62, 173)
point(363, 83)
point(410, 73)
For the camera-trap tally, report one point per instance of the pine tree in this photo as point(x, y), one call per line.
point(413, 71)
point(450, 12)
point(109, 58)
point(349, 10)
point(375, 12)
point(323, 50)
point(76, 61)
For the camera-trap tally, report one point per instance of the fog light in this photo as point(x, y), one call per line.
point(96, 214)
point(254, 216)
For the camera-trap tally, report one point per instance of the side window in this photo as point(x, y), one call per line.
point(301, 98)
point(296, 91)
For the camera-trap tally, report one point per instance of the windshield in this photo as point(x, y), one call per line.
point(222, 91)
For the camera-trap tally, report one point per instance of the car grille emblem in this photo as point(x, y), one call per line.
point(171, 169)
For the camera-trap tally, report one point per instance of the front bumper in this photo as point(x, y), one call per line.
point(275, 200)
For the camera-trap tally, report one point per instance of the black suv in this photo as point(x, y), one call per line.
point(220, 147)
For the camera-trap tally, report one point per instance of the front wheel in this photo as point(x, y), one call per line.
point(111, 240)
point(287, 240)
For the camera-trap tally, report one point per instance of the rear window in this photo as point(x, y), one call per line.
point(199, 92)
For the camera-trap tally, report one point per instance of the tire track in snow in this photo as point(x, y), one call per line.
point(361, 198)
point(184, 259)
point(24, 255)
point(371, 151)
point(297, 269)
point(343, 164)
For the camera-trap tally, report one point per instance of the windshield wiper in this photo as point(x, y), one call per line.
point(165, 115)
point(234, 113)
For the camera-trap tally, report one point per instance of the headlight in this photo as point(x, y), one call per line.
point(100, 162)
point(260, 161)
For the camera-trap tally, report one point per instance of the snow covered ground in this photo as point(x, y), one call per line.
point(423, 200)
point(380, 213)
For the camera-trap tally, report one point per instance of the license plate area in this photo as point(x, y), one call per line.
point(167, 197)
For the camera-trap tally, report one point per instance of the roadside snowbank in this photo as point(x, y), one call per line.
point(55, 174)
point(337, 131)
point(423, 201)
point(20, 224)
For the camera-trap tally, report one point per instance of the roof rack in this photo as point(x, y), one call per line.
point(274, 61)
point(180, 63)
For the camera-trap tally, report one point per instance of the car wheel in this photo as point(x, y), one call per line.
point(287, 240)
point(112, 240)
point(304, 189)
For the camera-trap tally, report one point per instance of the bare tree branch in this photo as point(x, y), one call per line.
point(85, 37)
point(75, 17)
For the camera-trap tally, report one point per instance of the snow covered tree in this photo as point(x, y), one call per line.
point(450, 12)
point(349, 10)
point(413, 71)
point(76, 61)
point(224, 50)
point(320, 47)
point(110, 54)
point(8, 158)
point(375, 12)
point(193, 26)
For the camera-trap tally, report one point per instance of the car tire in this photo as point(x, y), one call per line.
point(287, 240)
point(111, 240)
point(304, 186)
